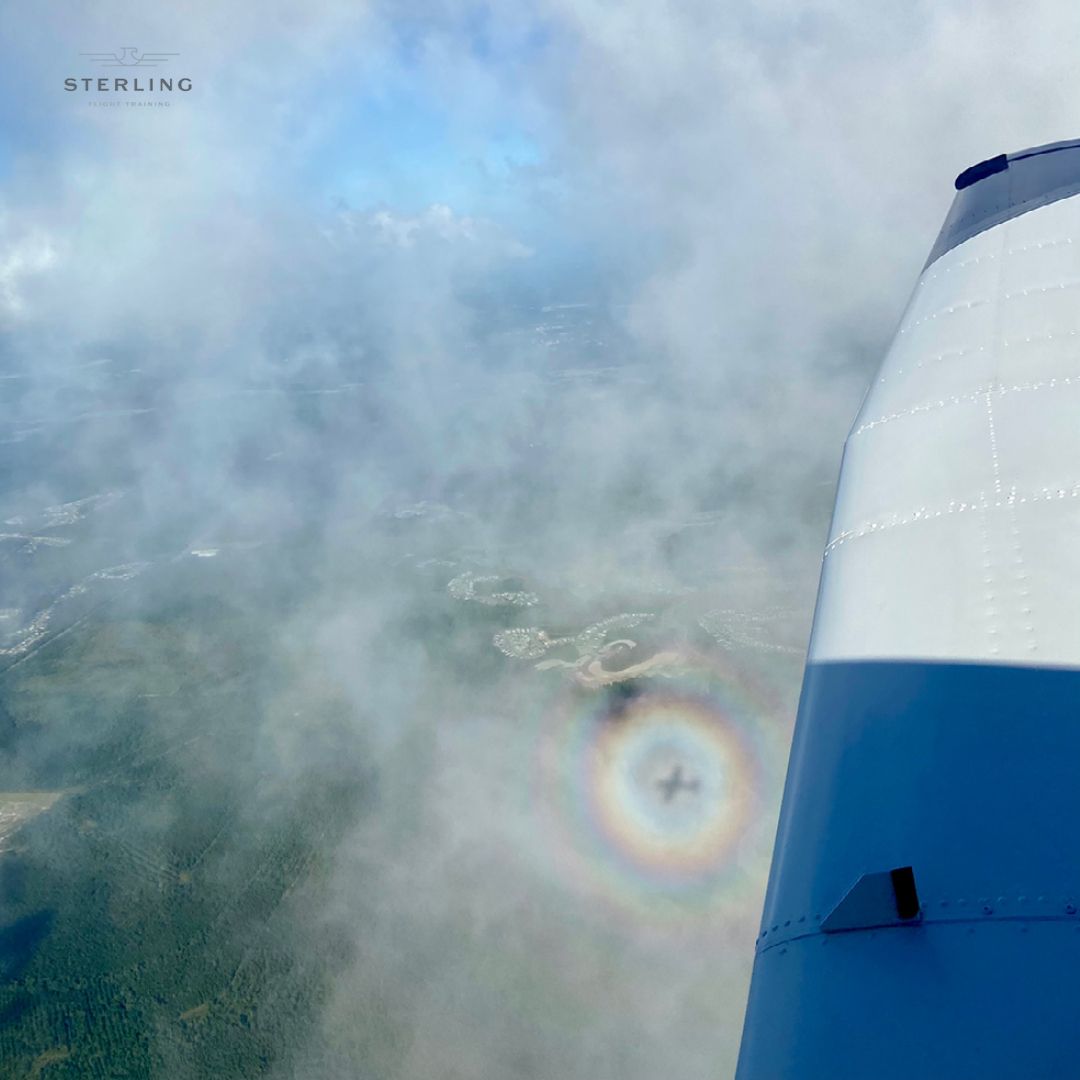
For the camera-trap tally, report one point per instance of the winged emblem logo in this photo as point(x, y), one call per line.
point(129, 56)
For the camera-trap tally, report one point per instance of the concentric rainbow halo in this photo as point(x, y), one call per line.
point(656, 797)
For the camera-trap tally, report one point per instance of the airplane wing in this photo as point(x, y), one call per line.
point(921, 918)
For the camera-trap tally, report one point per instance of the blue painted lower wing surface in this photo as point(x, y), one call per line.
point(970, 774)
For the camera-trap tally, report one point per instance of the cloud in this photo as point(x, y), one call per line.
point(24, 256)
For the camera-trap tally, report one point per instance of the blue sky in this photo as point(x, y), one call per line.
point(401, 145)
point(392, 110)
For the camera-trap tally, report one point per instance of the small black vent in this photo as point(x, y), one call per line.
point(907, 897)
point(981, 171)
